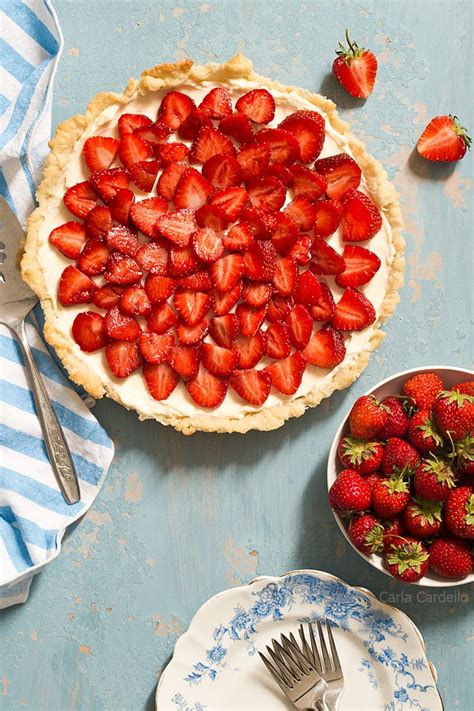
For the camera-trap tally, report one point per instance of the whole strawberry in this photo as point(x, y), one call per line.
point(372, 478)
point(407, 559)
point(390, 496)
point(366, 533)
point(423, 519)
point(355, 68)
point(367, 417)
point(349, 492)
point(451, 558)
point(463, 455)
point(467, 387)
point(397, 424)
point(422, 433)
point(454, 414)
point(399, 455)
point(393, 529)
point(423, 389)
point(434, 479)
point(444, 139)
point(459, 512)
point(359, 454)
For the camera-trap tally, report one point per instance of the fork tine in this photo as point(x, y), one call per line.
point(314, 648)
point(291, 646)
point(305, 646)
point(286, 673)
point(288, 659)
point(324, 649)
point(335, 657)
point(279, 679)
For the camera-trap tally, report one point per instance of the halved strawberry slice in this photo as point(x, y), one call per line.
point(225, 300)
point(199, 281)
point(260, 261)
point(325, 308)
point(88, 330)
point(183, 261)
point(191, 306)
point(300, 250)
point(444, 139)
point(160, 380)
point(362, 219)
point(285, 233)
point(69, 238)
point(175, 107)
point(309, 130)
point(107, 296)
point(172, 152)
point(155, 133)
point(262, 223)
point(145, 213)
point(361, 265)
point(100, 151)
point(192, 190)
point(185, 361)
point(325, 259)
point(156, 348)
point(355, 68)
point(161, 318)
point(306, 183)
point(107, 183)
point(190, 335)
point(266, 192)
point(134, 149)
point(80, 199)
point(256, 294)
point(281, 172)
point(278, 340)
point(308, 289)
point(300, 326)
point(253, 159)
point(123, 358)
point(144, 174)
point(238, 238)
point(93, 258)
point(209, 141)
point(252, 385)
point(120, 206)
point(258, 105)
point(278, 307)
point(121, 326)
point(134, 301)
point(123, 240)
point(98, 222)
point(189, 129)
point(286, 274)
point(169, 179)
point(217, 103)
point(284, 148)
point(207, 244)
point(212, 216)
point(341, 172)
point(250, 318)
point(128, 123)
point(250, 349)
point(218, 360)
point(354, 311)
point(328, 217)
point(159, 288)
point(302, 212)
point(153, 257)
point(227, 271)
point(222, 171)
point(326, 348)
point(206, 389)
point(287, 374)
point(177, 226)
point(122, 269)
point(223, 330)
point(238, 126)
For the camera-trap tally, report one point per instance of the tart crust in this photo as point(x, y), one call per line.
point(165, 76)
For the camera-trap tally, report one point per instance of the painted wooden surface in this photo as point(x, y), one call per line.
point(179, 518)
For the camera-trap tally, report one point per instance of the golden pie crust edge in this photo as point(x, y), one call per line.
point(168, 76)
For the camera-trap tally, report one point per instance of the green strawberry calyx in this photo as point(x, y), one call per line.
point(358, 450)
point(409, 555)
point(459, 130)
point(428, 511)
point(374, 538)
point(353, 52)
point(441, 470)
point(454, 396)
point(428, 431)
point(469, 517)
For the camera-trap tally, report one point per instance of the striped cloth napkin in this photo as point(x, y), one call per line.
point(33, 513)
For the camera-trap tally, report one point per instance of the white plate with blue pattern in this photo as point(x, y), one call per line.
point(215, 665)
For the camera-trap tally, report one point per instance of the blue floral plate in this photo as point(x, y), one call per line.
point(215, 666)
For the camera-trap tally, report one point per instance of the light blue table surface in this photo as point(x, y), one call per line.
point(178, 518)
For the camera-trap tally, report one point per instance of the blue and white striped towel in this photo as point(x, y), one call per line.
point(33, 513)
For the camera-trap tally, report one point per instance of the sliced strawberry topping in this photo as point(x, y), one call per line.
point(107, 296)
point(189, 129)
point(302, 212)
point(260, 261)
point(250, 318)
point(300, 326)
point(308, 129)
point(185, 361)
point(160, 379)
point(278, 340)
point(206, 389)
point(326, 348)
point(200, 281)
point(80, 199)
point(261, 222)
point(120, 206)
point(222, 171)
point(238, 238)
point(353, 311)
point(341, 172)
point(307, 183)
point(325, 308)
point(238, 126)
point(175, 108)
point(155, 348)
point(278, 307)
point(328, 217)
point(256, 294)
point(134, 301)
point(250, 349)
point(122, 269)
point(145, 213)
point(227, 271)
point(123, 358)
point(308, 289)
point(253, 159)
point(284, 148)
point(121, 326)
point(286, 273)
point(218, 360)
point(128, 123)
point(183, 261)
point(217, 103)
point(287, 374)
point(169, 179)
point(69, 238)
point(361, 265)
point(258, 105)
point(266, 192)
point(100, 151)
point(225, 300)
point(281, 172)
point(144, 174)
point(361, 219)
point(252, 385)
point(300, 250)
point(159, 288)
point(153, 257)
point(123, 240)
point(98, 222)
point(155, 134)
point(161, 318)
point(190, 335)
point(212, 216)
point(134, 149)
point(107, 183)
point(223, 330)
point(325, 259)
point(192, 190)
point(285, 233)
point(177, 226)
point(172, 152)
point(93, 258)
point(209, 141)
point(207, 244)
point(191, 306)
point(88, 330)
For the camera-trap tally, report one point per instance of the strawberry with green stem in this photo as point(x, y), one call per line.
point(423, 519)
point(407, 559)
point(355, 68)
point(360, 454)
point(433, 479)
point(444, 139)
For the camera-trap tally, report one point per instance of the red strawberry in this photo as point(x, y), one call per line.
point(225, 300)
point(459, 512)
point(394, 528)
point(422, 433)
point(342, 174)
point(93, 258)
point(433, 479)
point(231, 201)
point(175, 107)
point(300, 250)
point(399, 456)
point(307, 289)
point(423, 389)
point(123, 358)
point(191, 306)
point(278, 307)
point(100, 151)
point(206, 389)
point(302, 212)
point(107, 183)
point(284, 148)
point(250, 318)
point(227, 271)
point(69, 238)
point(145, 213)
point(309, 130)
point(287, 373)
point(222, 171)
point(134, 149)
point(397, 424)
point(144, 174)
point(252, 385)
point(306, 183)
point(123, 240)
point(250, 350)
point(262, 223)
point(190, 335)
point(75, 287)
point(325, 259)
point(467, 388)
point(176, 226)
point(285, 233)
point(134, 301)
point(192, 124)
point(367, 417)
point(266, 192)
point(463, 455)
point(325, 308)
point(169, 179)
point(354, 312)
point(98, 222)
point(423, 519)
point(172, 152)
point(258, 105)
point(253, 158)
point(444, 139)
point(239, 238)
point(260, 261)
point(281, 172)
point(199, 281)
point(208, 142)
point(328, 217)
point(223, 330)
point(390, 496)
point(80, 199)
point(153, 257)
point(155, 348)
point(256, 294)
point(453, 413)
point(326, 348)
point(407, 559)
point(192, 190)
point(360, 454)
point(207, 245)
point(300, 326)
point(128, 123)
point(218, 360)
point(349, 492)
point(161, 318)
point(88, 330)
point(121, 327)
point(361, 265)
point(185, 361)
point(451, 558)
point(107, 296)
point(183, 261)
point(355, 68)
point(159, 288)
point(366, 533)
point(155, 133)
point(361, 219)
point(160, 380)
point(122, 269)
point(286, 275)
point(278, 340)
point(212, 216)
point(238, 126)
point(217, 103)
point(120, 206)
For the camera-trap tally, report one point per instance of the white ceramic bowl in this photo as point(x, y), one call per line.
point(390, 386)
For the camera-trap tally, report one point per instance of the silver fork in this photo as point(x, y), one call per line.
point(329, 667)
point(16, 301)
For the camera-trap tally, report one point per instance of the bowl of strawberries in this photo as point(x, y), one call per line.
point(401, 476)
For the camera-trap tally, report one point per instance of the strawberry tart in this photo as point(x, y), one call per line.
point(212, 249)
